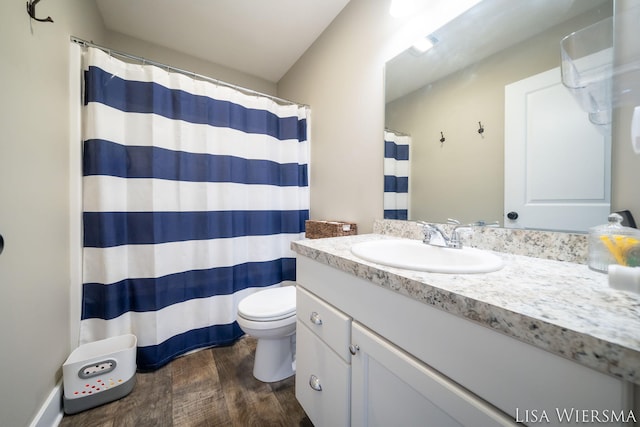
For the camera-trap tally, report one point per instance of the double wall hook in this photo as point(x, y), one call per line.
point(31, 10)
point(480, 128)
point(441, 138)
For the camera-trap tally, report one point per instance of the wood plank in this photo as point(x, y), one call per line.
point(150, 402)
point(197, 394)
point(250, 402)
point(284, 391)
point(101, 416)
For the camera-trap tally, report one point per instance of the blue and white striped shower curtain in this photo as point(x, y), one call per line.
point(396, 175)
point(192, 193)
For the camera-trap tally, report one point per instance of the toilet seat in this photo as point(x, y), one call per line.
point(269, 305)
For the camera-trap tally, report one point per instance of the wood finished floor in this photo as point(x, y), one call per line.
point(213, 387)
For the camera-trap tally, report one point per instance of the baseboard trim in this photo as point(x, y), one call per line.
point(50, 414)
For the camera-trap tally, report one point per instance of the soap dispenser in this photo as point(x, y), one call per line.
point(613, 243)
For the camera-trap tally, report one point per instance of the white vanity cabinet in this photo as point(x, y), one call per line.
point(413, 364)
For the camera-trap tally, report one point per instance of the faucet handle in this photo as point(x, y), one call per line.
point(460, 230)
point(425, 226)
point(426, 230)
point(433, 235)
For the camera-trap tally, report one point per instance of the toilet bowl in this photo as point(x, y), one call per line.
point(270, 317)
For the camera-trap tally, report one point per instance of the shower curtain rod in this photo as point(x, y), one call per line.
point(185, 72)
point(396, 132)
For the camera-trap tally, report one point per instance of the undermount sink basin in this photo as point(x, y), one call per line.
point(415, 255)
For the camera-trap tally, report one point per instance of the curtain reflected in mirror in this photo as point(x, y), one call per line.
point(397, 147)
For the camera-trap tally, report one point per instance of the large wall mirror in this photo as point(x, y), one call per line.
point(450, 103)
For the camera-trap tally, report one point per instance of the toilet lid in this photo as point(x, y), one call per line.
point(269, 304)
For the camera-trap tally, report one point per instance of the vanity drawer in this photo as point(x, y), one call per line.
point(329, 324)
point(323, 380)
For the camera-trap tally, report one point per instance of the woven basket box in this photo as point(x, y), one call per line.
point(320, 229)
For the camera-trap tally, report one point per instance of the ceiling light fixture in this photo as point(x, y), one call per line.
point(422, 17)
point(422, 45)
point(402, 8)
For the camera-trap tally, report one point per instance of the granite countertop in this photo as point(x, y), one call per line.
point(561, 307)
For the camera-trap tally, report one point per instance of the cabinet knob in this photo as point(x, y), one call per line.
point(315, 318)
point(353, 349)
point(314, 383)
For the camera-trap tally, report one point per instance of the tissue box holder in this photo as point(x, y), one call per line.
point(99, 372)
point(320, 229)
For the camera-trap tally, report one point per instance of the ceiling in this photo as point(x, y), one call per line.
point(487, 28)
point(262, 38)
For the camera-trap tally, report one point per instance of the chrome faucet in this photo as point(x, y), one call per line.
point(434, 235)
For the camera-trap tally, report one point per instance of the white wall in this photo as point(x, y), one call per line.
point(34, 199)
point(342, 77)
point(177, 59)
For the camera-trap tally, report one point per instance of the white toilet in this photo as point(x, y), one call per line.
point(270, 317)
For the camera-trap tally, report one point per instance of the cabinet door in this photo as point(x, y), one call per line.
point(389, 387)
point(322, 380)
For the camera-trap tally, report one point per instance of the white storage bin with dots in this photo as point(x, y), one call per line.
point(99, 372)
